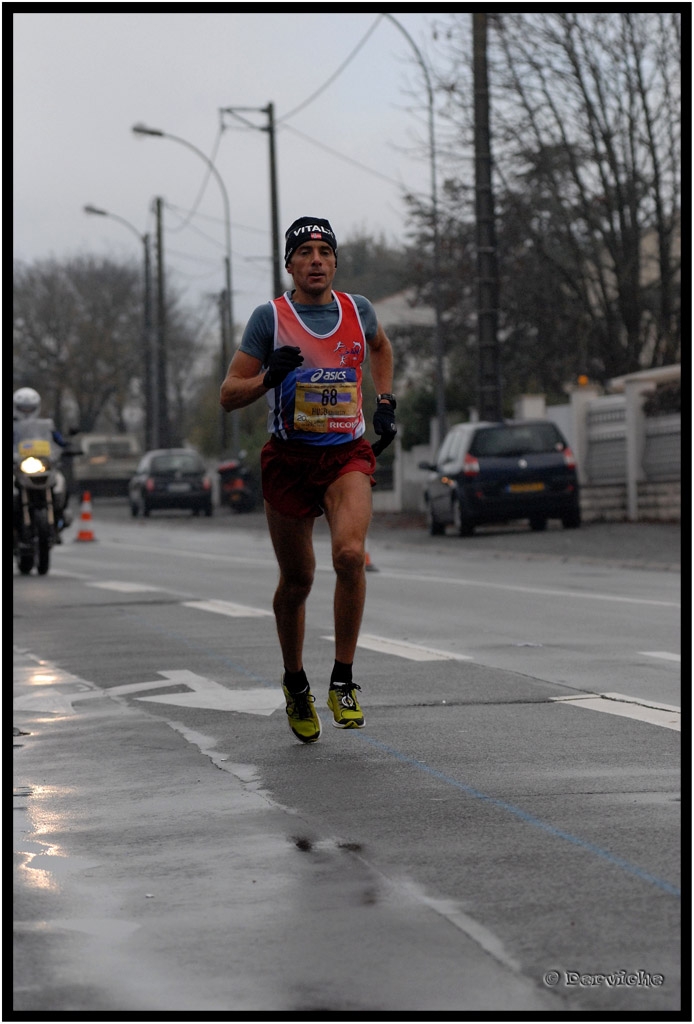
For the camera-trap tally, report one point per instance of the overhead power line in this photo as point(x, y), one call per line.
point(332, 78)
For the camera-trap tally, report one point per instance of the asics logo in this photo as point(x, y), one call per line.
point(328, 375)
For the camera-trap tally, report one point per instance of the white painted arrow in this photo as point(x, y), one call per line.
point(206, 693)
point(201, 693)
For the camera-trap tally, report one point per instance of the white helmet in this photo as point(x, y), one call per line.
point(27, 403)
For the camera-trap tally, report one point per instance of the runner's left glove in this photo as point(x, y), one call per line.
point(384, 425)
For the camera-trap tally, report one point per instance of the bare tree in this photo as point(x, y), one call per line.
point(587, 146)
point(78, 339)
point(76, 335)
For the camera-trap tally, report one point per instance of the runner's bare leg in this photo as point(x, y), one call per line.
point(348, 510)
point(292, 540)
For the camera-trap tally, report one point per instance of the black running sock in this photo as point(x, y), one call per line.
point(341, 673)
point(295, 681)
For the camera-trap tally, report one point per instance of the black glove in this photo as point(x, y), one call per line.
point(384, 425)
point(282, 361)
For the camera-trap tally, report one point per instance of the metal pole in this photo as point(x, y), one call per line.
point(487, 269)
point(150, 366)
point(162, 397)
point(274, 203)
point(436, 260)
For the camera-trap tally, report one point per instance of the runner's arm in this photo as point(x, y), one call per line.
point(381, 361)
point(243, 383)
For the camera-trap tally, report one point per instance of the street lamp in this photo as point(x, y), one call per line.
point(228, 328)
point(274, 203)
point(438, 337)
point(151, 402)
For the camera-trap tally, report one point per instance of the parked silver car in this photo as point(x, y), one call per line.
point(496, 472)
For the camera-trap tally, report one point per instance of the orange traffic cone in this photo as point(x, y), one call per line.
point(370, 567)
point(86, 532)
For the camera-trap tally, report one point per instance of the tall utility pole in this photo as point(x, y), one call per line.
point(162, 375)
point(274, 204)
point(269, 110)
point(489, 379)
point(151, 403)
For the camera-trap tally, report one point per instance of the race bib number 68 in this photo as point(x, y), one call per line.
point(326, 400)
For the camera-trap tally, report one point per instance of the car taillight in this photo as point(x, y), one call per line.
point(569, 458)
point(149, 484)
point(206, 483)
point(471, 466)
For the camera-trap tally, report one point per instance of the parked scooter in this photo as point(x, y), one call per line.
point(238, 489)
point(40, 494)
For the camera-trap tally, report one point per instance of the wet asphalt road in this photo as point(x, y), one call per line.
point(167, 861)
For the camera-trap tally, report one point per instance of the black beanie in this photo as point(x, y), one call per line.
point(308, 229)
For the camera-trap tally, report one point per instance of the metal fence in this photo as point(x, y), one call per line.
point(606, 461)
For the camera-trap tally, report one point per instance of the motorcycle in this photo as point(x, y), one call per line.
point(40, 495)
point(238, 488)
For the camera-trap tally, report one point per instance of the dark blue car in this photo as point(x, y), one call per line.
point(496, 472)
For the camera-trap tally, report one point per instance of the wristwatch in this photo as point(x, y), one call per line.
point(388, 398)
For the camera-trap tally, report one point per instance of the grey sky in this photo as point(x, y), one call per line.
point(82, 80)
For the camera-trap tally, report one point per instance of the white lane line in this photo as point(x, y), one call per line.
point(405, 649)
point(545, 591)
point(238, 611)
point(665, 655)
point(122, 587)
point(666, 715)
point(411, 577)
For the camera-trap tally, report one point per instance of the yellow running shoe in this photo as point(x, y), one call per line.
point(302, 715)
point(342, 701)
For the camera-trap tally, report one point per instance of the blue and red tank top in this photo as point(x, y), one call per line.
point(320, 403)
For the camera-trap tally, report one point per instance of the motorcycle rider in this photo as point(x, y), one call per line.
point(26, 405)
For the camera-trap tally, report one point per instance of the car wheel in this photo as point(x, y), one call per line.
point(573, 520)
point(538, 523)
point(462, 524)
point(435, 527)
point(208, 509)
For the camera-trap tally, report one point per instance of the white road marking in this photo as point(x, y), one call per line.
point(240, 611)
point(201, 693)
point(405, 649)
point(666, 715)
point(122, 587)
point(206, 693)
point(515, 588)
point(412, 577)
point(665, 655)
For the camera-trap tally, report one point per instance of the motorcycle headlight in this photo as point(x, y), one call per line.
point(32, 466)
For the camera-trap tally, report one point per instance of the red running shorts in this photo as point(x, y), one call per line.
point(295, 476)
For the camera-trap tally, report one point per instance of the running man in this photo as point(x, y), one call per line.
point(304, 352)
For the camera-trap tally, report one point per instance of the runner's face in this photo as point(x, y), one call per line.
point(313, 268)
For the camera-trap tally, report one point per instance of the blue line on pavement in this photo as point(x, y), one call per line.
point(518, 812)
